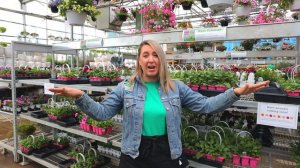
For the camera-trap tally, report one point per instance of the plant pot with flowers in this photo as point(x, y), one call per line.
point(102, 128)
point(76, 11)
point(27, 145)
point(221, 48)
point(24, 103)
point(7, 105)
point(243, 7)
point(209, 22)
point(99, 77)
point(208, 47)
point(157, 17)
point(190, 138)
point(115, 76)
point(242, 20)
point(121, 13)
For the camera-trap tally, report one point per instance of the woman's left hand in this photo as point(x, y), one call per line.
point(250, 88)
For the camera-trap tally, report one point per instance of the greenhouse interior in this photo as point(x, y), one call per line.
point(149, 83)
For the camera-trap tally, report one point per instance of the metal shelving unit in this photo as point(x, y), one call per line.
point(236, 54)
point(74, 130)
point(41, 82)
point(6, 113)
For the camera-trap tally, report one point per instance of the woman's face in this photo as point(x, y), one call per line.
point(150, 63)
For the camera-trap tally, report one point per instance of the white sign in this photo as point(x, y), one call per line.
point(91, 43)
point(278, 115)
point(210, 34)
point(258, 62)
point(240, 54)
point(47, 86)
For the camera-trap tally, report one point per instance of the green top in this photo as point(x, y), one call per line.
point(154, 117)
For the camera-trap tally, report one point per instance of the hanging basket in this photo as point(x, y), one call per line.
point(242, 10)
point(295, 6)
point(75, 18)
point(219, 5)
point(186, 5)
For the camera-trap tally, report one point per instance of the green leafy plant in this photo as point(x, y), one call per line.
point(285, 4)
point(248, 44)
point(2, 29)
point(79, 6)
point(25, 129)
point(3, 44)
point(295, 148)
point(24, 33)
point(267, 74)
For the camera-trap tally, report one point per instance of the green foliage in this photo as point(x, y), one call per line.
point(36, 143)
point(268, 74)
point(72, 73)
point(289, 84)
point(26, 129)
point(295, 148)
point(24, 33)
point(285, 4)
point(60, 110)
point(78, 6)
point(249, 146)
point(3, 44)
point(61, 140)
point(248, 44)
point(2, 29)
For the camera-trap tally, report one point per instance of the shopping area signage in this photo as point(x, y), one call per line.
point(278, 115)
point(204, 34)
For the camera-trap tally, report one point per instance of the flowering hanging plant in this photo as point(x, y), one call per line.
point(209, 22)
point(157, 17)
point(274, 15)
point(121, 13)
point(251, 3)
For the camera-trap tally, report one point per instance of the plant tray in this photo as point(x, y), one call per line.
point(17, 77)
point(70, 82)
point(40, 77)
point(100, 83)
point(66, 163)
point(66, 122)
point(293, 99)
point(38, 114)
point(210, 93)
point(271, 94)
point(44, 152)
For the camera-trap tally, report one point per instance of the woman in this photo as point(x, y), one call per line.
point(152, 104)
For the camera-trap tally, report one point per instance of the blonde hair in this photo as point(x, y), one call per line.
point(164, 78)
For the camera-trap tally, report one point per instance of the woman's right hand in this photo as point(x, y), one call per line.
point(67, 91)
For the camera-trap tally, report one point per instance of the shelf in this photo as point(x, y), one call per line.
point(261, 31)
point(74, 130)
point(242, 54)
point(41, 82)
point(35, 47)
point(5, 80)
point(5, 144)
point(253, 61)
point(117, 141)
point(6, 113)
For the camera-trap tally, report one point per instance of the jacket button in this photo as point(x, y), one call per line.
point(127, 104)
point(168, 109)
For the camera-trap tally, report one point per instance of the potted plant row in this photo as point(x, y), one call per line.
point(70, 76)
point(99, 77)
point(213, 80)
point(63, 115)
point(32, 143)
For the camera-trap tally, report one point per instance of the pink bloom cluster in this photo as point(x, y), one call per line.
point(157, 17)
point(274, 16)
point(252, 3)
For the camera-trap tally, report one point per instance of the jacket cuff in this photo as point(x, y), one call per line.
point(232, 95)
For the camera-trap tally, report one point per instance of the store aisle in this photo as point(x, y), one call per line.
point(7, 161)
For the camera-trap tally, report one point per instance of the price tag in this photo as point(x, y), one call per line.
point(278, 115)
point(47, 86)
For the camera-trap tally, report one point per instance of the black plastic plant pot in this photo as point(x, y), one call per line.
point(271, 94)
point(54, 9)
point(224, 23)
point(186, 6)
point(38, 114)
point(263, 133)
point(204, 4)
point(210, 93)
point(122, 18)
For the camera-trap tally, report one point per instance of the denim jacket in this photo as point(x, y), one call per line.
point(131, 99)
